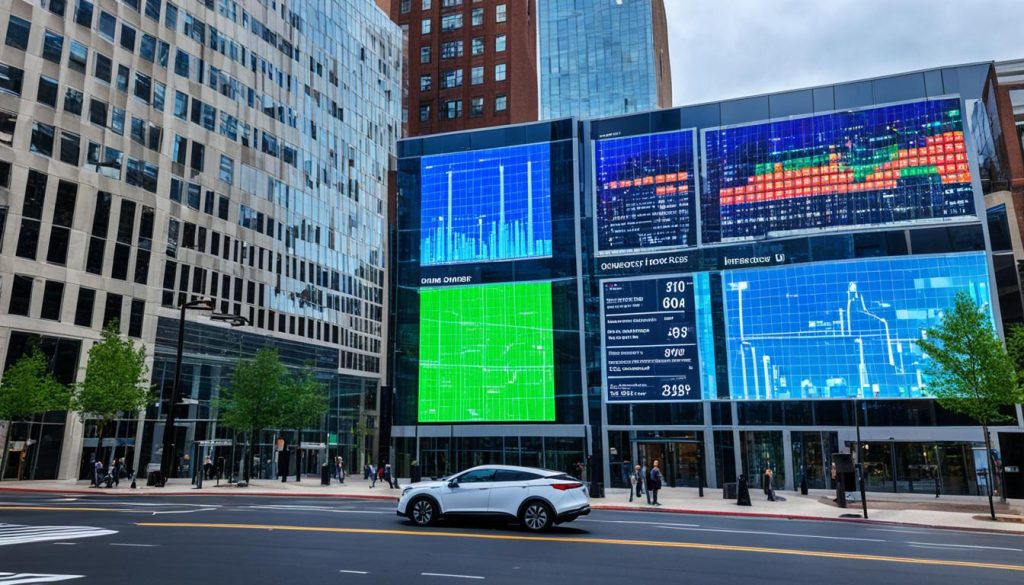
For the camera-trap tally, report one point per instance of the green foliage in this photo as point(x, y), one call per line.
point(29, 388)
point(972, 373)
point(303, 401)
point(252, 400)
point(1015, 346)
point(116, 378)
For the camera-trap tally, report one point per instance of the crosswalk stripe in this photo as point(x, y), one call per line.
point(26, 578)
point(17, 534)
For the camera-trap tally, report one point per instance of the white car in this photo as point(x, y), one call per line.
point(537, 498)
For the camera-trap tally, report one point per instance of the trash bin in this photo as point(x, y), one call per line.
point(325, 474)
point(416, 474)
point(729, 491)
point(596, 489)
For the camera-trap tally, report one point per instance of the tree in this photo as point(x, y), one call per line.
point(252, 402)
point(303, 401)
point(361, 431)
point(28, 388)
point(116, 381)
point(971, 371)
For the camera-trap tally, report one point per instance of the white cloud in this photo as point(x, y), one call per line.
point(731, 48)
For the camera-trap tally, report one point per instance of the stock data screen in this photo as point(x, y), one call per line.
point(487, 354)
point(646, 191)
point(486, 205)
point(651, 340)
point(841, 329)
point(894, 164)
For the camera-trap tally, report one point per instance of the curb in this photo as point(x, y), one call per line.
point(194, 493)
point(738, 514)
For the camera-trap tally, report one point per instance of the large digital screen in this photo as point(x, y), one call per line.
point(886, 165)
point(487, 354)
point(841, 329)
point(485, 205)
point(646, 192)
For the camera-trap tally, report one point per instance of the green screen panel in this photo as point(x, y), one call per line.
point(487, 354)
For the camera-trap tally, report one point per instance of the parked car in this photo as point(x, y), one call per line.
point(536, 498)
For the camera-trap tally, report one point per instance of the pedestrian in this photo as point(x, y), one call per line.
point(638, 481)
point(634, 480)
point(97, 475)
point(118, 469)
point(339, 464)
point(771, 487)
point(389, 478)
point(372, 472)
point(645, 478)
point(765, 479)
point(380, 474)
point(627, 469)
point(742, 492)
point(208, 468)
point(366, 471)
point(654, 483)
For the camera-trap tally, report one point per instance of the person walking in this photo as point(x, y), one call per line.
point(764, 479)
point(339, 464)
point(97, 473)
point(386, 476)
point(770, 476)
point(118, 469)
point(655, 482)
point(372, 472)
point(634, 483)
point(366, 471)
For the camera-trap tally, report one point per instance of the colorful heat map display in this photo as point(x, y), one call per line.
point(893, 164)
point(645, 192)
point(486, 205)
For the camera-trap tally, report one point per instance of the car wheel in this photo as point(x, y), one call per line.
point(536, 516)
point(423, 511)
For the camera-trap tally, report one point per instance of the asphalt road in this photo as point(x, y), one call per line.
point(239, 539)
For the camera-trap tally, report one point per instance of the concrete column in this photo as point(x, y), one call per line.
point(709, 459)
point(71, 448)
point(737, 452)
point(787, 458)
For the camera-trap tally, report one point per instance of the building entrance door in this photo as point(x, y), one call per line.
point(680, 460)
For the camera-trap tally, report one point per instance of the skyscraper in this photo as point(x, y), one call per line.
point(468, 63)
point(154, 153)
point(603, 57)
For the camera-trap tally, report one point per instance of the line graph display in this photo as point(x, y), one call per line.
point(646, 192)
point(487, 354)
point(841, 329)
point(486, 205)
point(892, 164)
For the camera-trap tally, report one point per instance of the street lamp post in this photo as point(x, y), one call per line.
point(860, 458)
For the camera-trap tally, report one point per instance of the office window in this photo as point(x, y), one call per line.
point(476, 107)
point(450, 3)
point(47, 92)
point(499, 72)
point(425, 81)
point(227, 169)
point(451, 78)
point(98, 112)
point(83, 13)
point(73, 101)
point(122, 78)
point(138, 130)
point(55, 6)
point(451, 49)
point(452, 109)
point(424, 54)
point(135, 318)
point(425, 5)
point(70, 147)
point(103, 69)
point(147, 48)
point(106, 25)
point(84, 307)
point(53, 46)
point(78, 57)
point(17, 33)
point(425, 26)
point(63, 217)
point(28, 239)
point(171, 16)
point(11, 79)
point(112, 309)
point(159, 94)
point(153, 9)
point(477, 75)
point(499, 13)
point(424, 112)
point(451, 22)
point(499, 44)
point(42, 139)
point(53, 296)
point(478, 17)
point(179, 146)
point(155, 136)
point(21, 295)
point(405, 6)
point(222, 207)
point(143, 87)
point(117, 120)
point(128, 38)
point(198, 162)
point(180, 105)
point(500, 103)
point(477, 47)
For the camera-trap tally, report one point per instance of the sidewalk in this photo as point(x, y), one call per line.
point(960, 512)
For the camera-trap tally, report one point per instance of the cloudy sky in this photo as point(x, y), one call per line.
point(730, 48)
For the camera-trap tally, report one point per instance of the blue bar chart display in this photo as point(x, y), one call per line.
point(486, 205)
point(841, 329)
point(646, 192)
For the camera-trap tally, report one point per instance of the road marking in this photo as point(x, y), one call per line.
point(25, 578)
point(353, 572)
point(66, 543)
point(317, 509)
point(65, 509)
point(611, 541)
point(671, 527)
point(638, 522)
point(972, 546)
point(18, 534)
point(452, 576)
point(900, 531)
point(132, 544)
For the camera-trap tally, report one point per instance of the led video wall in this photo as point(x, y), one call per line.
point(891, 164)
point(646, 192)
point(486, 205)
point(486, 354)
point(841, 329)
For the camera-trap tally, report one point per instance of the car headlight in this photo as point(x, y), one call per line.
point(405, 491)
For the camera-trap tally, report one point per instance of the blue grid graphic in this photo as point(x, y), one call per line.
point(486, 205)
point(645, 192)
point(841, 329)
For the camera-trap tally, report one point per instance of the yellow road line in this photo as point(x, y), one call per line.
point(651, 543)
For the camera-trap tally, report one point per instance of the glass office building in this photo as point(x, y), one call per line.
point(156, 152)
point(727, 287)
point(602, 57)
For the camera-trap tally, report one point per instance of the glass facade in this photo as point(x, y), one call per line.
point(598, 57)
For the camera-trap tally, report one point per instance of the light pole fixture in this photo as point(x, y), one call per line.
point(167, 456)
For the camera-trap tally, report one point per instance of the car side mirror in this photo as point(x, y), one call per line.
point(453, 483)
